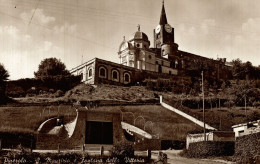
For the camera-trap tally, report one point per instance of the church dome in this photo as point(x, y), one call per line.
point(139, 36)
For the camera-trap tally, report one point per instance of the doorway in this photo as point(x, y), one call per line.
point(99, 133)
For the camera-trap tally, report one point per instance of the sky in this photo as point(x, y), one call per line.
point(76, 31)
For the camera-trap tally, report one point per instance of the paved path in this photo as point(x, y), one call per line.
point(174, 158)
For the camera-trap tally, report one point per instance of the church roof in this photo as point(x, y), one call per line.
point(163, 19)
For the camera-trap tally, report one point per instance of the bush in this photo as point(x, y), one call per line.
point(122, 151)
point(58, 93)
point(211, 148)
point(51, 90)
point(256, 104)
point(247, 148)
point(184, 153)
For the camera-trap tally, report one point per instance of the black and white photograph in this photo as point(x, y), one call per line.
point(129, 81)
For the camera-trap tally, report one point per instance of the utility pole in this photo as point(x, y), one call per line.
point(245, 106)
point(203, 106)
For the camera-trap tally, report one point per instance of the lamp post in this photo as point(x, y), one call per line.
point(203, 106)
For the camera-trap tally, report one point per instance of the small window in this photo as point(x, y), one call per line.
point(138, 45)
point(150, 57)
point(162, 62)
point(81, 76)
point(156, 62)
point(115, 75)
point(170, 72)
point(144, 46)
point(126, 78)
point(102, 72)
point(90, 72)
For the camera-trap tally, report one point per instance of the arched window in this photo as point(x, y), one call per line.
point(90, 72)
point(102, 72)
point(115, 75)
point(81, 76)
point(127, 78)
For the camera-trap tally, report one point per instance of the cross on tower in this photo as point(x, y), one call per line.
point(138, 27)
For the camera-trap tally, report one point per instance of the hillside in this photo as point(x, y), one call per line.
point(222, 110)
point(154, 119)
point(110, 92)
point(84, 92)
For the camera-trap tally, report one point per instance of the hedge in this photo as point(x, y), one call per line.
point(211, 148)
point(247, 148)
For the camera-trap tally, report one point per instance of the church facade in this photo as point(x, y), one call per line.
point(138, 61)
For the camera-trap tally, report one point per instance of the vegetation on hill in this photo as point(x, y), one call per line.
point(228, 103)
point(52, 79)
point(110, 92)
point(3, 78)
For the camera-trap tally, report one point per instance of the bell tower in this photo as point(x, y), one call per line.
point(164, 36)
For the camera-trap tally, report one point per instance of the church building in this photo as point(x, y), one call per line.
point(138, 61)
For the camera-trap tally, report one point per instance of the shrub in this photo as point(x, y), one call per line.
point(122, 151)
point(256, 104)
point(51, 90)
point(184, 153)
point(58, 93)
point(211, 148)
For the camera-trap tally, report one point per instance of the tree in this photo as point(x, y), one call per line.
point(50, 68)
point(249, 70)
point(3, 73)
point(238, 71)
point(3, 77)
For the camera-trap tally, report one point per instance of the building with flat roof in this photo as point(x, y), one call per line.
point(246, 128)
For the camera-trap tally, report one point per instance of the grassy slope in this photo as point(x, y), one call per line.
point(222, 119)
point(165, 123)
point(28, 119)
